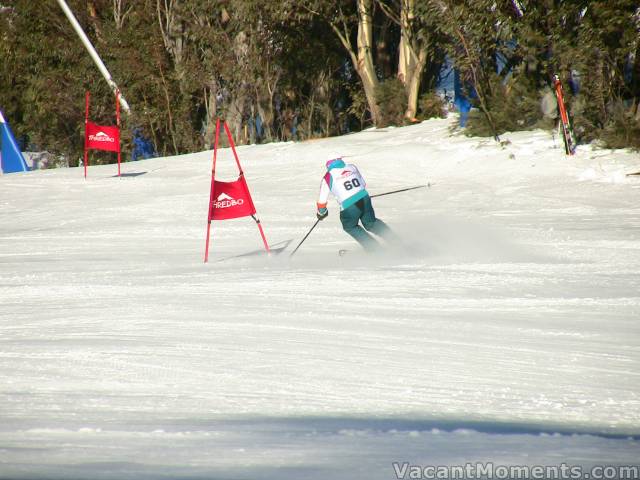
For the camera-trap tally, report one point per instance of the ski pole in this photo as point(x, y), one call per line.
point(401, 190)
point(305, 237)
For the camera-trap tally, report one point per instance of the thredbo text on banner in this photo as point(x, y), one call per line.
point(103, 138)
point(232, 200)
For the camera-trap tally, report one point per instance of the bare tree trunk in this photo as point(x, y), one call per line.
point(412, 52)
point(170, 123)
point(361, 56)
point(235, 114)
point(211, 109)
point(119, 14)
point(264, 105)
point(412, 58)
point(364, 61)
point(265, 91)
point(240, 93)
point(173, 34)
point(315, 103)
point(413, 80)
point(311, 104)
point(93, 16)
point(406, 56)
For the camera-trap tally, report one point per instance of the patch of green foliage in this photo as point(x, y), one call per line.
point(392, 100)
point(514, 105)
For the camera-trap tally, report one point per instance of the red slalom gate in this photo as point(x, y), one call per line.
point(229, 200)
point(100, 137)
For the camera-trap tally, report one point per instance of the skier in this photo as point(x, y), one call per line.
point(345, 182)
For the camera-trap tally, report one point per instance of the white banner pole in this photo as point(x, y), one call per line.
point(92, 51)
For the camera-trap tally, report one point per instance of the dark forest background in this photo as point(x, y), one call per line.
point(299, 69)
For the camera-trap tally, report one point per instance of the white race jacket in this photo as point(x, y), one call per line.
point(345, 183)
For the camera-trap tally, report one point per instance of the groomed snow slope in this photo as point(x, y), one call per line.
point(505, 329)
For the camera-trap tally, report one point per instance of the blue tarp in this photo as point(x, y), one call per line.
point(450, 84)
point(11, 160)
point(142, 146)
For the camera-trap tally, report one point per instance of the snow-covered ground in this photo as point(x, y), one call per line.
point(506, 329)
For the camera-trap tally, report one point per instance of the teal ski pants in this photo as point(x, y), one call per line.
point(362, 211)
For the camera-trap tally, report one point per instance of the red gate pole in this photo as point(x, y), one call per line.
point(264, 239)
point(118, 125)
point(211, 190)
point(206, 248)
point(86, 121)
point(235, 155)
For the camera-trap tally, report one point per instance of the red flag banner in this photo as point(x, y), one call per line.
point(102, 138)
point(231, 200)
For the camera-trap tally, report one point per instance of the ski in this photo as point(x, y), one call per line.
point(275, 250)
point(567, 130)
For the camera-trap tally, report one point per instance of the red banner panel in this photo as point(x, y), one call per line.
point(231, 200)
point(102, 138)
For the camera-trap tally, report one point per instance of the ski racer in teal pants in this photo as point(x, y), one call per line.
point(345, 182)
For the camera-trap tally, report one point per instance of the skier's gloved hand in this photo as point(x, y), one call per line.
point(322, 213)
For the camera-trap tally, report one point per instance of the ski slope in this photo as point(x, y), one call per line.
point(504, 329)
